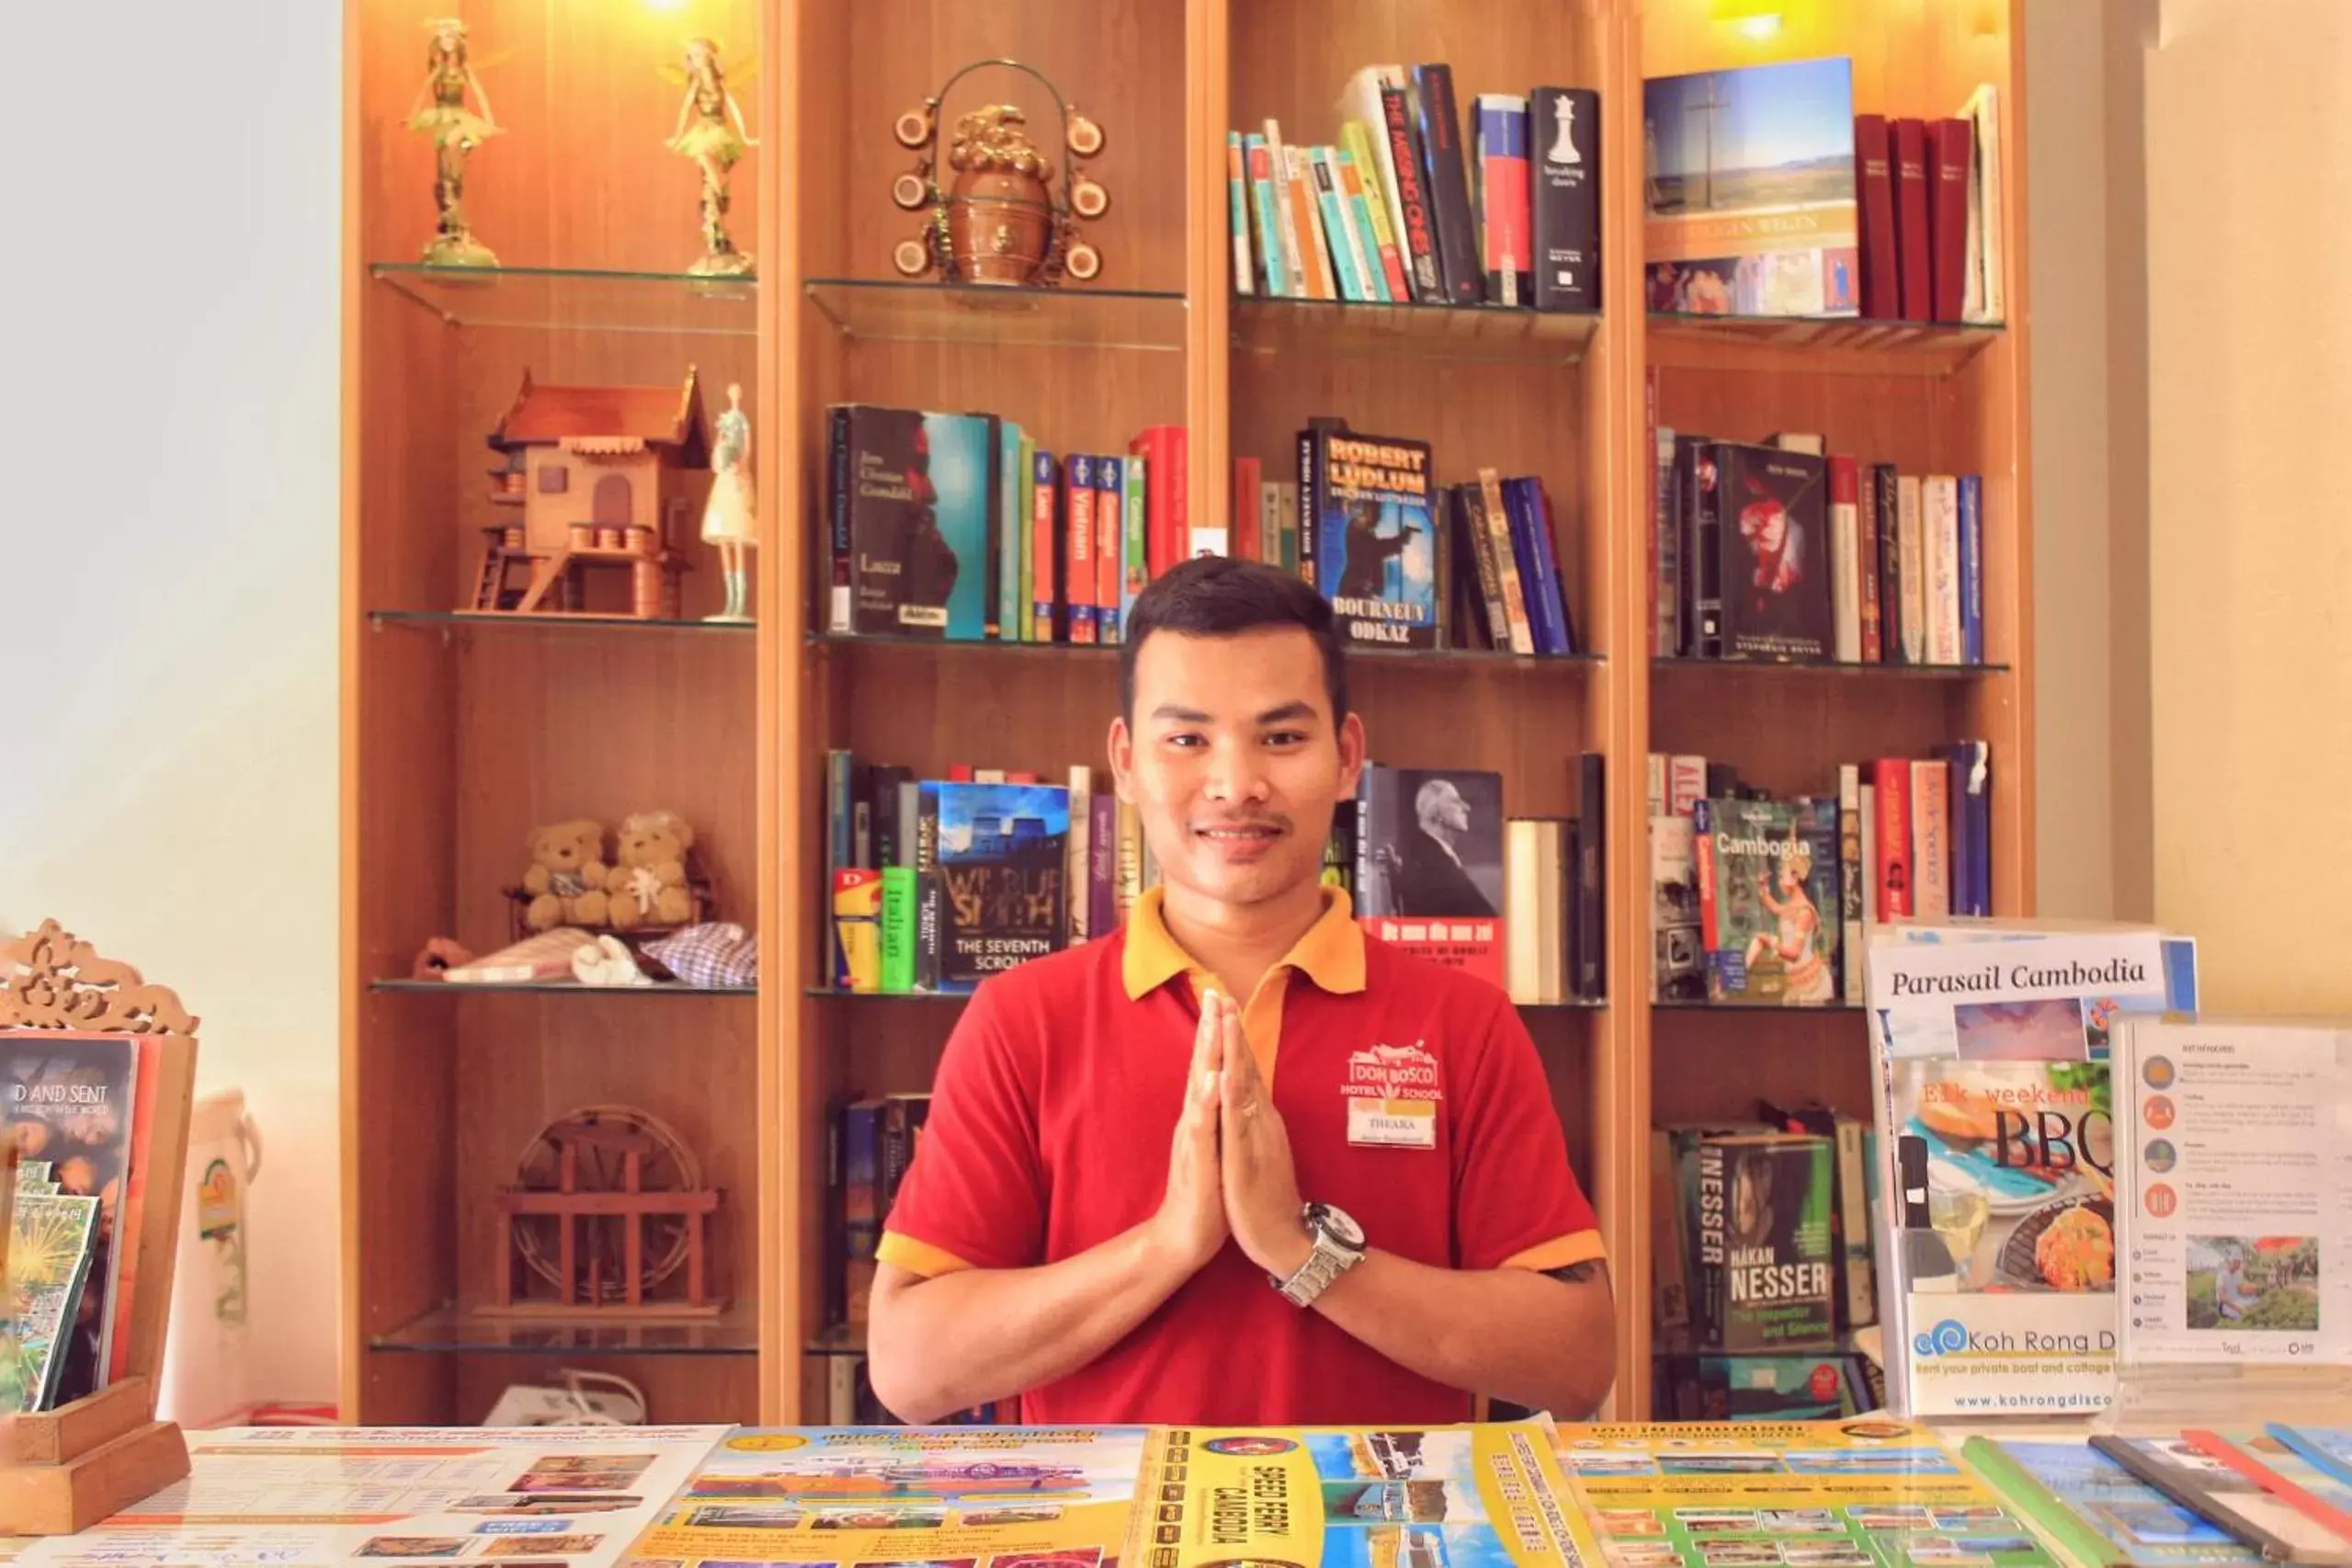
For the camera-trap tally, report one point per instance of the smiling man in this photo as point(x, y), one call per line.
point(1238, 1162)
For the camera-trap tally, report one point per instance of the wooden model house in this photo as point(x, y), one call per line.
point(605, 476)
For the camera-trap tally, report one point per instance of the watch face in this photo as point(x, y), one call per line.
point(1344, 1231)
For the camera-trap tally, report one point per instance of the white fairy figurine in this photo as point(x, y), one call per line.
point(727, 516)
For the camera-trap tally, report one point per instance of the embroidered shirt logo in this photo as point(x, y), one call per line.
point(1392, 1072)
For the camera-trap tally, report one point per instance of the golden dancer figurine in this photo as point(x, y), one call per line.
point(456, 131)
point(710, 131)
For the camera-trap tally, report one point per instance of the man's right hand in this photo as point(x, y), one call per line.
point(1190, 1226)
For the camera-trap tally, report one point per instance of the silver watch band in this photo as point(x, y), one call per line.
point(1327, 1261)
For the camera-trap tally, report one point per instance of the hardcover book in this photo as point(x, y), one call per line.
point(1762, 1257)
point(1002, 877)
point(1773, 536)
point(1770, 906)
point(1429, 864)
point(915, 509)
point(1564, 128)
point(1750, 199)
point(1376, 541)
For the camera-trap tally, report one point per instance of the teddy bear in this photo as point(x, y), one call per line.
point(647, 886)
point(567, 878)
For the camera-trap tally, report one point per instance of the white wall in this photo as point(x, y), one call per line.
point(168, 559)
point(2249, 157)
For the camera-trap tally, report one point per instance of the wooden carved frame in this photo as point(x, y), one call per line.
point(50, 979)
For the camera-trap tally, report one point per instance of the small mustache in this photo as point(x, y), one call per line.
point(1275, 823)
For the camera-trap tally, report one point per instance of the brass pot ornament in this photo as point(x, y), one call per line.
point(997, 218)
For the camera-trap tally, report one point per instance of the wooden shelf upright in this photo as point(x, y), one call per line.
point(459, 738)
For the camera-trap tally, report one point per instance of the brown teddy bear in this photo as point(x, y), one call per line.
point(648, 884)
point(567, 881)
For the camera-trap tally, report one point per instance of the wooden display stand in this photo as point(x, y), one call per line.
point(67, 1468)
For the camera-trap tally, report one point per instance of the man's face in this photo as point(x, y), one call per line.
point(1450, 810)
point(1232, 761)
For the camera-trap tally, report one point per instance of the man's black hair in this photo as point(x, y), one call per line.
point(1212, 596)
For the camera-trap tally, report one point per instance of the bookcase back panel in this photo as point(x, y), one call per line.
point(1290, 60)
point(1526, 720)
point(1919, 57)
point(527, 1060)
point(402, 1218)
point(1717, 1064)
point(1787, 731)
point(579, 173)
point(553, 728)
point(928, 706)
point(1564, 1039)
point(1121, 62)
point(1735, 394)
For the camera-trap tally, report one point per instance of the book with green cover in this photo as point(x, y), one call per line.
point(53, 1237)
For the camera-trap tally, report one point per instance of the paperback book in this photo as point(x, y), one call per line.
point(1769, 908)
point(1376, 537)
point(1429, 864)
point(1757, 1213)
point(1001, 877)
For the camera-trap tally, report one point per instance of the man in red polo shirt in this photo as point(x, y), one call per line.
point(1238, 1162)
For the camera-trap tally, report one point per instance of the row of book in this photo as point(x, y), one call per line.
point(960, 526)
point(1780, 550)
point(934, 884)
point(1762, 1232)
point(1755, 900)
point(79, 1112)
point(1390, 214)
point(1767, 195)
point(1406, 564)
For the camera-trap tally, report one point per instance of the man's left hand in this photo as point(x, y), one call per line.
point(1262, 1206)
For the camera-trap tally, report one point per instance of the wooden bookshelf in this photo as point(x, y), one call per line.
point(461, 733)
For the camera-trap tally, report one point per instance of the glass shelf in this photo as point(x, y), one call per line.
point(460, 1329)
point(1775, 1007)
point(444, 617)
point(1832, 667)
point(1485, 333)
point(561, 988)
point(1110, 650)
point(1946, 344)
point(577, 299)
point(896, 311)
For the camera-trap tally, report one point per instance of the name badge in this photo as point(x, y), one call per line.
point(1393, 1124)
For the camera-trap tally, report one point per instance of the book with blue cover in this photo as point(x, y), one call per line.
point(1002, 876)
point(1376, 544)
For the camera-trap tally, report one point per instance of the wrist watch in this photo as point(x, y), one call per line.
point(1338, 1247)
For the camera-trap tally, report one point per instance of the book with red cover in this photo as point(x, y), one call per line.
point(1952, 148)
point(1874, 191)
point(1911, 218)
point(1245, 508)
point(1892, 775)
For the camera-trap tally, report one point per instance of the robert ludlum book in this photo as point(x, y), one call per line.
point(1002, 876)
point(1774, 540)
point(1769, 913)
point(914, 507)
point(1376, 537)
point(1758, 1217)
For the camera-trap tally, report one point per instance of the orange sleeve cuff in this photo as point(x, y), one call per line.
point(1581, 1246)
point(919, 1257)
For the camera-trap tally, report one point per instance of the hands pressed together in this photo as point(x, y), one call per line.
point(1230, 1171)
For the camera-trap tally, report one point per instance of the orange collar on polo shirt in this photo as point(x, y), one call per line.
point(1331, 954)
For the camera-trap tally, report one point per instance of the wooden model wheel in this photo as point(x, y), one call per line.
point(603, 1138)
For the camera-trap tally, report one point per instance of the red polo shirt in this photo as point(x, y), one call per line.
point(1057, 1100)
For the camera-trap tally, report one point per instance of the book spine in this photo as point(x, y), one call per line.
point(1501, 198)
point(1077, 857)
point(1272, 261)
point(1111, 534)
point(1134, 545)
point(1359, 168)
point(1849, 880)
point(1480, 540)
point(1939, 498)
point(997, 528)
point(1292, 234)
point(1448, 182)
point(1078, 546)
point(1953, 760)
point(1911, 220)
point(1309, 500)
point(1237, 202)
point(929, 934)
point(1102, 865)
point(1547, 544)
point(1346, 250)
point(1249, 503)
point(1518, 518)
point(1972, 568)
point(1846, 560)
point(1564, 124)
point(1313, 240)
point(838, 450)
point(1931, 841)
point(1590, 930)
point(1654, 557)
point(1507, 566)
point(1159, 551)
point(1044, 497)
point(1913, 572)
point(1866, 476)
point(1706, 552)
point(1703, 869)
point(899, 900)
point(1892, 777)
point(1404, 133)
point(1191, 535)
point(1131, 860)
point(1874, 196)
point(1011, 608)
point(1950, 151)
point(1978, 803)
